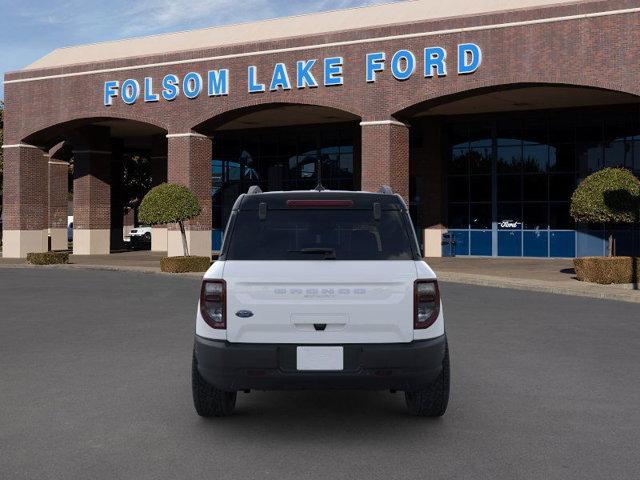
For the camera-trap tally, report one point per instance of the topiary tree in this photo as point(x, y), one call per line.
point(611, 195)
point(170, 203)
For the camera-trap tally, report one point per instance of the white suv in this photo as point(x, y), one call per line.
point(320, 290)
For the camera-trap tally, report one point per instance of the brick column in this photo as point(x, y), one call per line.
point(385, 156)
point(189, 164)
point(92, 192)
point(159, 233)
point(58, 191)
point(25, 210)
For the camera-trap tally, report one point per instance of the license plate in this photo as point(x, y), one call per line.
point(320, 358)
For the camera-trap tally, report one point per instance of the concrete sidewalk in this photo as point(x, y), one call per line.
point(539, 275)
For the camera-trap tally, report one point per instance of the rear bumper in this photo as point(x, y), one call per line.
point(395, 366)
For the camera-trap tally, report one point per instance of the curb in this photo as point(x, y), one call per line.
point(603, 292)
point(110, 268)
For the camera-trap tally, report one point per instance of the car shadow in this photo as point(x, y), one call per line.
point(337, 415)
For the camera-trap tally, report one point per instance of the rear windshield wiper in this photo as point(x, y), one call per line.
point(329, 253)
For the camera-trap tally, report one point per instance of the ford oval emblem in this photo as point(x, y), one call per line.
point(244, 313)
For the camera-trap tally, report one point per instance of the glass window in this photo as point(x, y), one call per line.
point(535, 216)
point(618, 154)
point(480, 159)
point(535, 158)
point(480, 136)
point(509, 159)
point(459, 161)
point(562, 158)
point(561, 187)
point(458, 215)
point(509, 188)
point(481, 188)
point(589, 130)
point(510, 216)
point(534, 188)
point(458, 189)
point(559, 217)
point(509, 133)
point(480, 216)
point(320, 234)
point(589, 157)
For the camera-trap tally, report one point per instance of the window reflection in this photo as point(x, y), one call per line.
point(280, 159)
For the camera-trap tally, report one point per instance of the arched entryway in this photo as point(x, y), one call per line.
point(496, 167)
point(100, 166)
point(280, 147)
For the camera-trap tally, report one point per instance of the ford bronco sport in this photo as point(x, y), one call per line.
point(320, 290)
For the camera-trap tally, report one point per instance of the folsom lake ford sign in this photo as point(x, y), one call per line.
point(309, 73)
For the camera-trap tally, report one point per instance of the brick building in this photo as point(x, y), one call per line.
point(484, 115)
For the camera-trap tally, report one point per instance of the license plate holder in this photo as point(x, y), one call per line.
point(320, 359)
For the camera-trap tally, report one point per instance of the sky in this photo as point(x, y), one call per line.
point(29, 29)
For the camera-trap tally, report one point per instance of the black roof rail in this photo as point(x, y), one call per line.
point(253, 190)
point(385, 190)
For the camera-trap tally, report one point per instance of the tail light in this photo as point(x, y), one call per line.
point(426, 303)
point(213, 299)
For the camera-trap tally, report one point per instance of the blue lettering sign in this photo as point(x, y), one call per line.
point(110, 92)
point(192, 85)
point(304, 77)
point(403, 64)
point(280, 78)
point(333, 71)
point(434, 59)
point(375, 63)
point(149, 96)
point(254, 86)
point(170, 87)
point(218, 82)
point(469, 58)
point(130, 91)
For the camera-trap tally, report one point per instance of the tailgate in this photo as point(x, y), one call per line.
point(320, 301)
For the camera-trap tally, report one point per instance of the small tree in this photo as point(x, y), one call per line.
point(169, 203)
point(611, 195)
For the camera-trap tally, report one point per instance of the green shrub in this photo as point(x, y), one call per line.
point(170, 203)
point(607, 270)
point(48, 258)
point(185, 264)
point(611, 195)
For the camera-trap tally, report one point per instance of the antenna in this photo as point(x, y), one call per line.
point(319, 187)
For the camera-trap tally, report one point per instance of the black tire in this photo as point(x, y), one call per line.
point(147, 236)
point(207, 399)
point(433, 400)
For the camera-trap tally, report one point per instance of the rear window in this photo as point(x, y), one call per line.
point(317, 234)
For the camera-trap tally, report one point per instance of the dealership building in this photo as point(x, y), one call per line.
point(484, 115)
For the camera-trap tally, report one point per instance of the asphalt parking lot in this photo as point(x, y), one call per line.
point(95, 383)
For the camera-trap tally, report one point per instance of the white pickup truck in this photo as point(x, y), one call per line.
point(320, 290)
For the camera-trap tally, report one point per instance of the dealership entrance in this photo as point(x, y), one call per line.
point(508, 176)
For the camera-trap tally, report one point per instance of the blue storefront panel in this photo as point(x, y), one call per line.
point(562, 244)
point(510, 243)
point(480, 242)
point(462, 241)
point(535, 243)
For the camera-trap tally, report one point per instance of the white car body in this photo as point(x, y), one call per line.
point(360, 302)
point(320, 290)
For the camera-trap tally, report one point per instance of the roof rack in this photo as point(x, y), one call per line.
point(253, 190)
point(385, 190)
